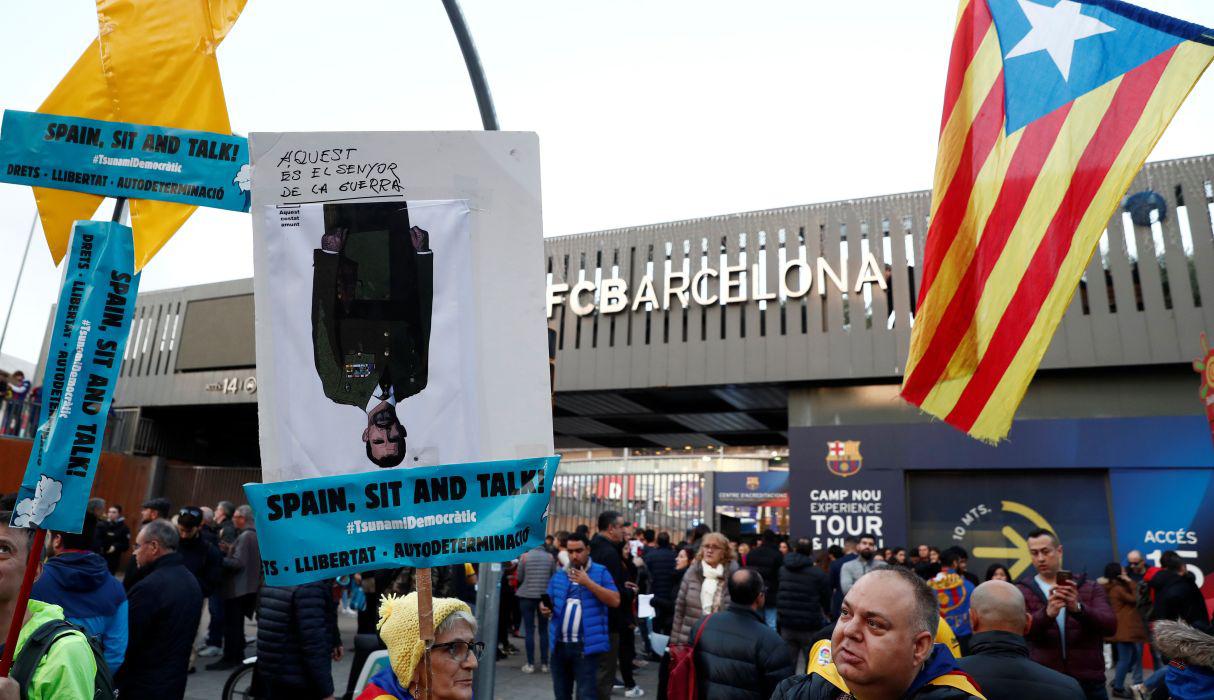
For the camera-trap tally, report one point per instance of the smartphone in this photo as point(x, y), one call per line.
point(546, 600)
point(1063, 577)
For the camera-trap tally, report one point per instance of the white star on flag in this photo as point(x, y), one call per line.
point(1055, 31)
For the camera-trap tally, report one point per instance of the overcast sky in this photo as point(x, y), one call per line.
point(646, 111)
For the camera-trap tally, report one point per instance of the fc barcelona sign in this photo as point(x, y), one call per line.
point(843, 457)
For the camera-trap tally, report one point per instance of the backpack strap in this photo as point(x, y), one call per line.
point(36, 647)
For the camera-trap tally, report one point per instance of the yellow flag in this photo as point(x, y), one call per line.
point(152, 63)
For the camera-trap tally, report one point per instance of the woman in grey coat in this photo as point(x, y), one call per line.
point(705, 586)
point(535, 567)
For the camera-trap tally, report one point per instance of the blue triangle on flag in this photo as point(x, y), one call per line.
point(1102, 39)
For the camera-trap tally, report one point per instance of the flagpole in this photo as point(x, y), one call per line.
point(20, 271)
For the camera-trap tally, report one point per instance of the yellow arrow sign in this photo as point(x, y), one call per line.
point(1018, 553)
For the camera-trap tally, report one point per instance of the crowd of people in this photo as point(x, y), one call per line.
point(758, 617)
point(769, 618)
point(18, 404)
point(95, 626)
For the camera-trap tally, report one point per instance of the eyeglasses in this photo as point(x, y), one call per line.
point(458, 650)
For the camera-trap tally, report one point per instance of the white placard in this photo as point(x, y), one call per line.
point(645, 606)
point(398, 272)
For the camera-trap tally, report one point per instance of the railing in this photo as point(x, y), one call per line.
point(123, 428)
point(18, 418)
point(672, 502)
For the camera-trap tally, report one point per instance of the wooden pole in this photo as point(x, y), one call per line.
point(425, 624)
point(27, 582)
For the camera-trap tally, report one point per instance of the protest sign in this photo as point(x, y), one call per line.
point(87, 342)
point(399, 294)
point(117, 159)
point(423, 517)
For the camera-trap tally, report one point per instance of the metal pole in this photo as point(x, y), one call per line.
point(488, 576)
point(20, 270)
point(488, 600)
point(484, 100)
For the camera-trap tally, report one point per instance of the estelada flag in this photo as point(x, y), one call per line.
point(152, 63)
point(1050, 109)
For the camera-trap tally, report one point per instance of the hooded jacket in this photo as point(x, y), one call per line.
point(804, 594)
point(999, 662)
point(939, 679)
point(67, 670)
point(81, 584)
point(1191, 671)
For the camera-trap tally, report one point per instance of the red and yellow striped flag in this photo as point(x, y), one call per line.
point(1050, 109)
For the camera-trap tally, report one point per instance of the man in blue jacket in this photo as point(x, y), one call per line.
point(581, 595)
point(77, 579)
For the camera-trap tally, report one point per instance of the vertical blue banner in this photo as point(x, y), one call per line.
point(92, 322)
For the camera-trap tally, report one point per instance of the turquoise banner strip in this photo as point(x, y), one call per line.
point(311, 529)
point(88, 340)
point(117, 159)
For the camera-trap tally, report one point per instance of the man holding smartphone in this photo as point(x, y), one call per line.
point(1070, 618)
point(578, 599)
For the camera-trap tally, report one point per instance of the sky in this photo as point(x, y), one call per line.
point(646, 111)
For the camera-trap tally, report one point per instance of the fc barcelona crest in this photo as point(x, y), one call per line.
point(752, 483)
point(843, 457)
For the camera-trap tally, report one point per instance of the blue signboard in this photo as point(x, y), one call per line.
point(117, 159)
point(87, 342)
point(990, 515)
point(1161, 509)
point(421, 516)
point(752, 488)
point(835, 493)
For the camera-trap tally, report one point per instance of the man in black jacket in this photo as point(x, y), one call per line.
point(804, 597)
point(738, 656)
point(999, 655)
point(198, 554)
point(297, 640)
point(1176, 594)
point(605, 550)
point(766, 559)
point(659, 562)
point(164, 608)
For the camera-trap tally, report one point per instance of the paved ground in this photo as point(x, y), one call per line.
point(511, 682)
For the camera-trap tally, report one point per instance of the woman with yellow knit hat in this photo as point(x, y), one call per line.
point(453, 656)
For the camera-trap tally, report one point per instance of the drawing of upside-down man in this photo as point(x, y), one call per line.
point(372, 299)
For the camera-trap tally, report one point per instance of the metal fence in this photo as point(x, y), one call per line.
point(672, 502)
point(125, 431)
point(205, 486)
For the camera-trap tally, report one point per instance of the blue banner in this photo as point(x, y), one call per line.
point(752, 489)
point(1160, 509)
point(310, 529)
point(117, 159)
point(87, 342)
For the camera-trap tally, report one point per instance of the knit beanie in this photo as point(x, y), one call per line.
point(399, 628)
